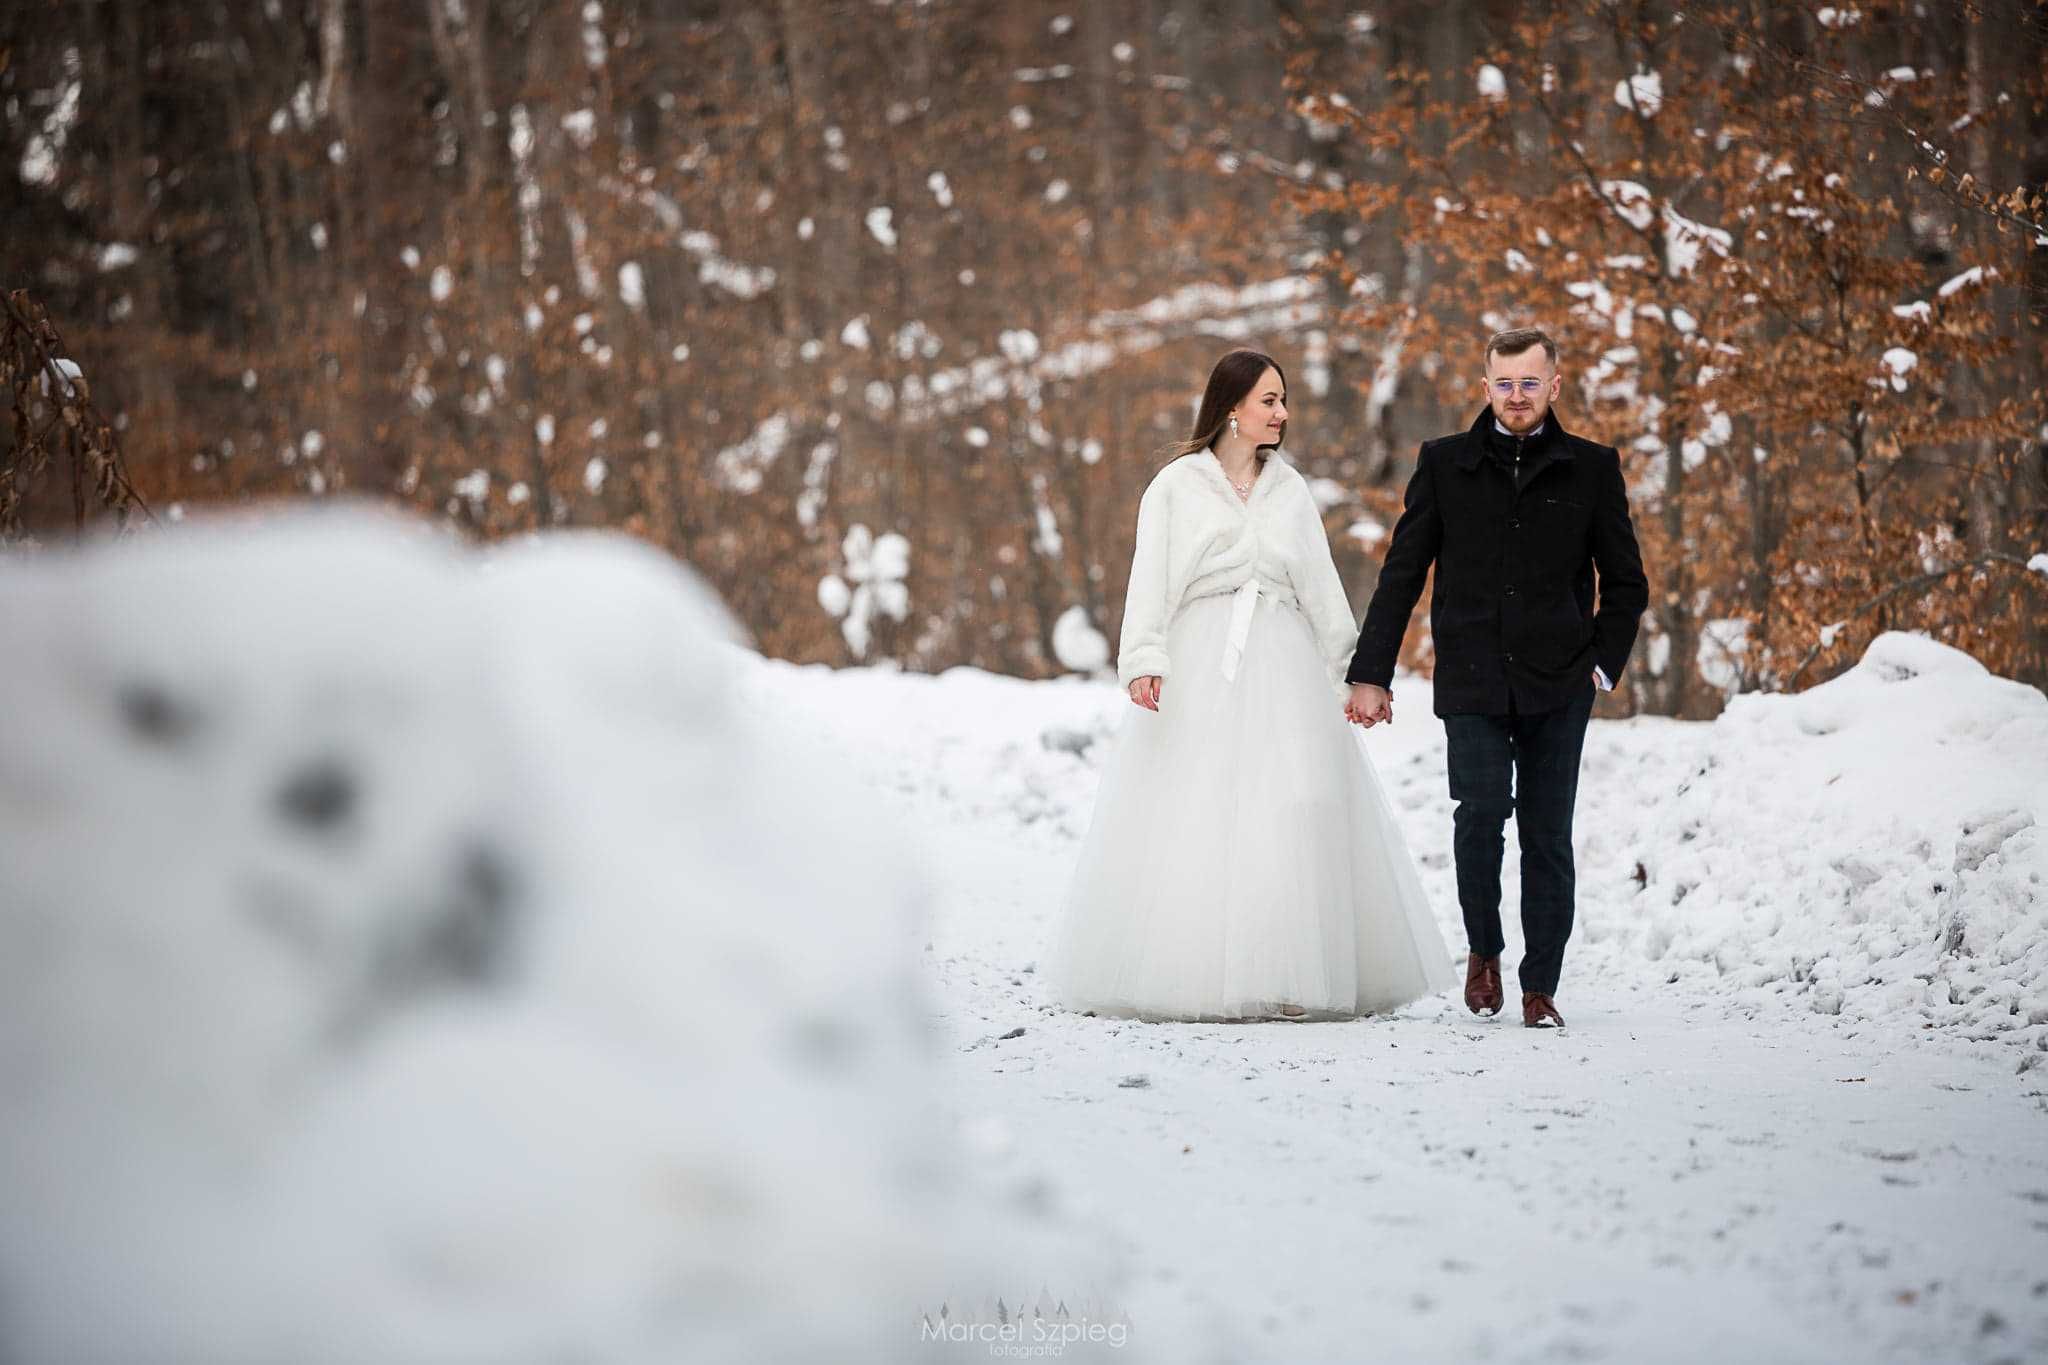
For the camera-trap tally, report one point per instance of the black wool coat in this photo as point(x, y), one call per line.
point(1516, 555)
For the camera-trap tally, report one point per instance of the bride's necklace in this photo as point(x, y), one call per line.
point(1244, 490)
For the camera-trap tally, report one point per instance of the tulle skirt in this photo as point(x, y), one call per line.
point(1242, 854)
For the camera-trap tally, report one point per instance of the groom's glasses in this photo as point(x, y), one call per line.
point(1506, 387)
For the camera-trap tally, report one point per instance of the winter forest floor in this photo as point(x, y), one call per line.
point(1702, 1166)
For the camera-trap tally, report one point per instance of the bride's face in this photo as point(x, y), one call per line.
point(1262, 415)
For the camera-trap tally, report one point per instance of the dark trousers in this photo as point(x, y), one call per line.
point(1527, 766)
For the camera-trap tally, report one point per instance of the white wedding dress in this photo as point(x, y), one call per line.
point(1242, 857)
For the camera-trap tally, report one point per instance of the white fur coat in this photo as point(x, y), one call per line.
point(1196, 539)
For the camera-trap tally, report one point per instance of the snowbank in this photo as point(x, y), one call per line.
point(1874, 845)
point(410, 955)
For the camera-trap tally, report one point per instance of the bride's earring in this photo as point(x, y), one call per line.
point(1233, 426)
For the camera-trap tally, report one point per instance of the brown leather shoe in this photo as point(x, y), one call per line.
point(1539, 1011)
point(1482, 984)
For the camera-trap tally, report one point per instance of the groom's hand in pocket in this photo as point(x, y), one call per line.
point(1145, 692)
point(1369, 705)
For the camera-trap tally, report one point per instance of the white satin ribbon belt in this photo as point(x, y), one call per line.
point(1242, 603)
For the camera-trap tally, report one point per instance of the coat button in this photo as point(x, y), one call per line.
point(1514, 523)
point(1511, 590)
point(1509, 657)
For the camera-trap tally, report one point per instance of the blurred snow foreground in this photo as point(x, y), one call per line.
point(407, 954)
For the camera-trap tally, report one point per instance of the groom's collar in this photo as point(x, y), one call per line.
point(1548, 440)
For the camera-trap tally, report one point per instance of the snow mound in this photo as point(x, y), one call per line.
point(977, 747)
point(1077, 644)
point(1875, 844)
point(410, 954)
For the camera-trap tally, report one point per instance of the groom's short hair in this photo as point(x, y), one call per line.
point(1517, 341)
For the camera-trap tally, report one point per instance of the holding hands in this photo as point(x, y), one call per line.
point(1369, 705)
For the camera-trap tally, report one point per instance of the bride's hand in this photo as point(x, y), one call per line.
point(1145, 691)
point(1369, 705)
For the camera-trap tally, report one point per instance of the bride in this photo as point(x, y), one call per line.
point(1243, 861)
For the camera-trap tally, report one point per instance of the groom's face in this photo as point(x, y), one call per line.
point(1520, 388)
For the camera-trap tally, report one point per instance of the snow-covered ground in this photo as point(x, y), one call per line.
point(412, 954)
point(1795, 1115)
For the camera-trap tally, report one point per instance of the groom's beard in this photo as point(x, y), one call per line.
point(1521, 424)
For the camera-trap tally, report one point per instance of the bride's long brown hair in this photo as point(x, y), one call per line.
point(1229, 382)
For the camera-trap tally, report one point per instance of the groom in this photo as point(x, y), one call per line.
point(1517, 515)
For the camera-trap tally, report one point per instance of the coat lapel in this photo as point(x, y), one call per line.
point(1554, 448)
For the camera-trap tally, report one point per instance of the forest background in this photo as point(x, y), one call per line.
point(880, 313)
